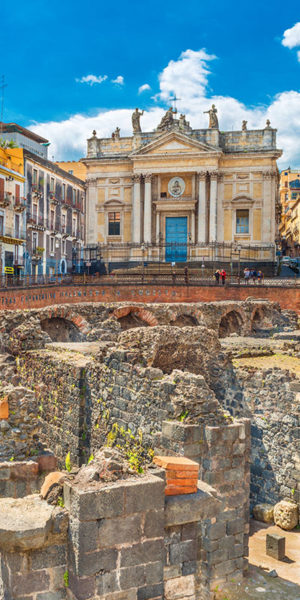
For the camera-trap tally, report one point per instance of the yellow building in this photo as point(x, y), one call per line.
point(12, 211)
point(73, 167)
point(183, 194)
point(289, 202)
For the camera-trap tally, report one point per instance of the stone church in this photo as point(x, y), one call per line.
point(178, 192)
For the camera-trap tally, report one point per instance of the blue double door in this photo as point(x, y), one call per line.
point(176, 239)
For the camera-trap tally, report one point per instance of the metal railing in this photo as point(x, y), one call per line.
point(13, 232)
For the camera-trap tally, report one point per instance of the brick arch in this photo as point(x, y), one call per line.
point(185, 317)
point(64, 312)
point(141, 313)
point(231, 321)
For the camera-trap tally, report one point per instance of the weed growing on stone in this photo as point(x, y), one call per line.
point(68, 462)
point(66, 578)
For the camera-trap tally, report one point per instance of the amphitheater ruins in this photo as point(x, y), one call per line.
point(93, 396)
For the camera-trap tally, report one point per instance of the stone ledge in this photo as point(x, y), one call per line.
point(190, 508)
point(25, 523)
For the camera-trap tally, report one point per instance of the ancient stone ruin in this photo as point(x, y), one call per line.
point(90, 395)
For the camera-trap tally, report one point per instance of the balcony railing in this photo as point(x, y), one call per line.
point(20, 204)
point(5, 199)
point(34, 220)
point(18, 233)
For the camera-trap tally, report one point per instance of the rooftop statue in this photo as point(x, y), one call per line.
point(244, 125)
point(135, 119)
point(167, 120)
point(213, 119)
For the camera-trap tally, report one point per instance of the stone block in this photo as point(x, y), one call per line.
point(144, 495)
point(123, 530)
point(29, 583)
point(191, 508)
point(154, 572)
point(127, 595)
point(184, 551)
point(24, 523)
point(236, 526)
point(180, 587)
point(264, 512)
point(25, 471)
point(82, 588)
point(47, 462)
point(286, 515)
point(58, 595)
point(92, 563)
point(154, 523)
point(107, 502)
point(275, 546)
point(132, 577)
point(145, 552)
point(107, 583)
point(4, 408)
point(150, 591)
point(53, 556)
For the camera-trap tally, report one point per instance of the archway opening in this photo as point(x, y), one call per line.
point(61, 330)
point(132, 320)
point(185, 321)
point(230, 323)
point(261, 320)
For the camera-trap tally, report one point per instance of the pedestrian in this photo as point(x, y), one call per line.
point(186, 275)
point(217, 276)
point(246, 275)
point(260, 276)
point(254, 275)
point(223, 276)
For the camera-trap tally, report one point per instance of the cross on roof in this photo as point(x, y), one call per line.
point(174, 99)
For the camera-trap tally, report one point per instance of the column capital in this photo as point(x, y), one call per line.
point(269, 174)
point(136, 178)
point(214, 175)
point(202, 175)
point(147, 177)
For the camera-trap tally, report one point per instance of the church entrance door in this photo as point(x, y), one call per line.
point(176, 239)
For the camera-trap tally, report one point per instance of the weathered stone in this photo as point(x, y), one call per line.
point(264, 513)
point(286, 515)
point(275, 546)
point(179, 587)
point(24, 523)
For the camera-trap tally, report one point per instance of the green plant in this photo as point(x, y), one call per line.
point(66, 578)
point(91, 458)
point(68, 462)
point(60, 502)
point(183, 415)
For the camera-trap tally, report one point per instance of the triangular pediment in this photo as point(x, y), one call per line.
point(174, 143)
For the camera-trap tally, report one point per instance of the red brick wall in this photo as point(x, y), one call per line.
point(46, 296)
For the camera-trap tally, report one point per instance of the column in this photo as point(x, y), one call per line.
point(147, 210)
point(157, 226)
point(213, 206)
point(268, 200)
point(202, 208)
point(136, 210)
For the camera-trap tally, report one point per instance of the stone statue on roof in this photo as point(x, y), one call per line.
point(135, 119)
point(167, 120)
point(213, 119)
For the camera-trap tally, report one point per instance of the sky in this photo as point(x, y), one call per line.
point(71, 67)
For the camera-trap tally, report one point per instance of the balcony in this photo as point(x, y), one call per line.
point(35, 222)
point(19, 204)
point(53, 199)
point(12, 235)
point(37, 253)
point(36, 190)
point(5, 199)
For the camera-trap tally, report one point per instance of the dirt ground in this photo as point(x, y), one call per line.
point(258, 583)
point(281, 361)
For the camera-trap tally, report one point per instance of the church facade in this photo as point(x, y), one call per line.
point(183, 193)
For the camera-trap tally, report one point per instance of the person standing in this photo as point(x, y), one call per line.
point(246, 275)
point(223, 276)
point(217, 276)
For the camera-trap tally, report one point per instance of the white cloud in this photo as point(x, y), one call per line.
point(144, 88)
point(188, 79)
point(91, 79)
point(291, 37)
point(119, 80)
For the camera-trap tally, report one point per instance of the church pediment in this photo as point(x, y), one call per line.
point(172, 143)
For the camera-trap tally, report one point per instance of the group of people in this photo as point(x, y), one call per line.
point(253, 275)
point(249, 275)
point(220, 274)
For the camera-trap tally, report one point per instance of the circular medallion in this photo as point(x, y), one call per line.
point(176, 187)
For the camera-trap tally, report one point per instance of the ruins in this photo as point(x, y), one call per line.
point(90, 394)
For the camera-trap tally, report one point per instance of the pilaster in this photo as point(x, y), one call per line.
point(136, 209)
point(213, 206)
point(202, 208)
point(147, 209)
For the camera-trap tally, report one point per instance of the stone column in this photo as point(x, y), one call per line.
point(202, 208)
point(91, 214)
point(213, 206)
point(267, 225)
point(136, 210)
point(147, 210)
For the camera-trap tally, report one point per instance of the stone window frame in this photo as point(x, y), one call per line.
point(114, 205)
point(242, 202)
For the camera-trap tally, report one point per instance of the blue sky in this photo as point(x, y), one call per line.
point(47, 48)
